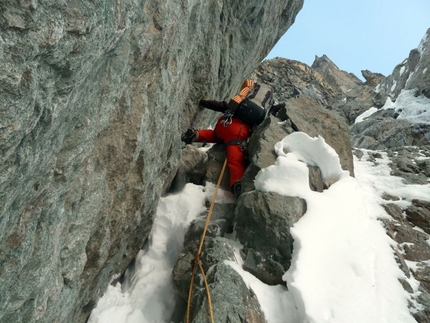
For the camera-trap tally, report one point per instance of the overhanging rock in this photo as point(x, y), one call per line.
point(93, 98)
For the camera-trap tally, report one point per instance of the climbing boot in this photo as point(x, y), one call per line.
point(237, 188)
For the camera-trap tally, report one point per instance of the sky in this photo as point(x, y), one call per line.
point(356, 35)
point(343, 268)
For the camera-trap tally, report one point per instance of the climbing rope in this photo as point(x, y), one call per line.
point(197, 261)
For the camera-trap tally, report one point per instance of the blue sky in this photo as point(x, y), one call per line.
point(356, 35)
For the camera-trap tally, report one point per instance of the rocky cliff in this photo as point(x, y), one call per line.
point(385, 128)
point(93, 97)
point(412, 73)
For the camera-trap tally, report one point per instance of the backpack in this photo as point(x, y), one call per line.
point(253, 102)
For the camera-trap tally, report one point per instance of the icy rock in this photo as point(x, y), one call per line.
point(419, 214)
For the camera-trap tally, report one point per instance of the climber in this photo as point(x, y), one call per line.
point(231, 130)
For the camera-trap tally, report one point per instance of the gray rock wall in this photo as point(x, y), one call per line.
point(93, 97)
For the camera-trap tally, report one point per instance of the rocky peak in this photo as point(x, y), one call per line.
point(290, 79)
point(372, 79)
point(333, 75)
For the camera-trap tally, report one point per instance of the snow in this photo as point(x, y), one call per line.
point(343, 268)
point(411, 108)
point(410, 77)
point(147, 294)
point(378, 88)
point(365, 114)
point(393, 87)
point(421, 46)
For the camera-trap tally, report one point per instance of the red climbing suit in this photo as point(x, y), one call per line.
point(236, 130)
point(229, 132)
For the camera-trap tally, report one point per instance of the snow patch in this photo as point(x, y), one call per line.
point(393, 87)
point(365, 114)
point(378, 88)
point(409, 78)
point(414, 109)
point(421, 46)
point(335, 241)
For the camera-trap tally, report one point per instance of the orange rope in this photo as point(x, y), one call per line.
point(197, 258)
point(207, 292)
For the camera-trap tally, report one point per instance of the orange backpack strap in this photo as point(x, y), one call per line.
point(237, 99)
point(247, 83)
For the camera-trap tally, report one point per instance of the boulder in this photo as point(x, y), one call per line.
point(312, 119)
point(221, 223)
point(216, 157)
point(409, 164)
point(372, 79)
point(262, 225)
point(359, 100)
point(419, 214)
point(232, 300)
point(261, 148)
point(192, 168)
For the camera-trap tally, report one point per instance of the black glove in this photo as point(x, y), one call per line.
point(276, 108)
point(189, 136)
point(202, 100)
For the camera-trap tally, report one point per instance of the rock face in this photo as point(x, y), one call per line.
point(382, 129)
point(262, 223)
point(412, 73)
point(322, 83)
point(93, 97)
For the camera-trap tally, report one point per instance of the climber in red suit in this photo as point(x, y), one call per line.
point(230, 130)
point(234, 133)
